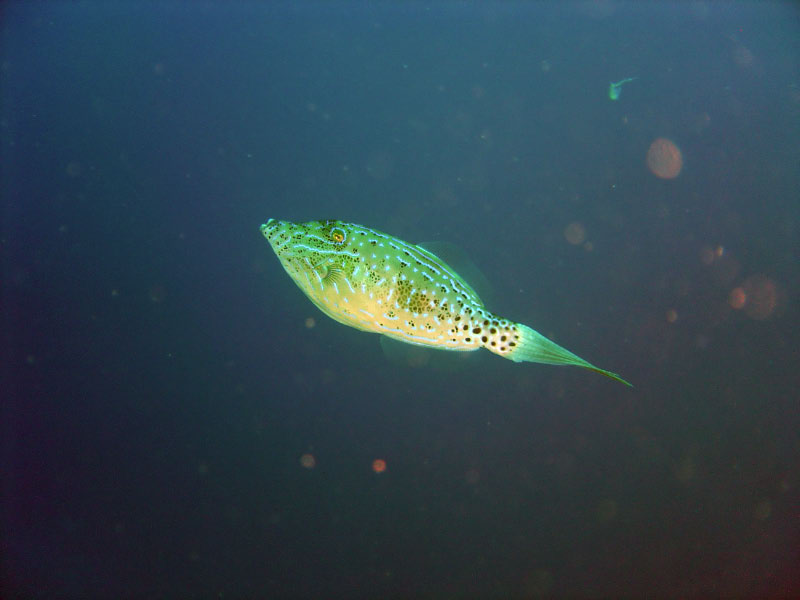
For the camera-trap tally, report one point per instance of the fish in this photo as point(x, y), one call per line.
point(375, 282)
point(615, 89)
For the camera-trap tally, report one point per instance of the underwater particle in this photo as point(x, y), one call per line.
point(743, 57)
point(763, 297)
point(307, 461)
point(606, 510)
point(672, 315)
point(664, 159)
point(157, 293)
point(737, 298)
point(310, 323)
point(379, 465)
point(575, 233)
point(763, 510)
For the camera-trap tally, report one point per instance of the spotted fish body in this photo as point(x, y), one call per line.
point(375, 282)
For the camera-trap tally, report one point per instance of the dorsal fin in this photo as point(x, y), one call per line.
point(453, 260)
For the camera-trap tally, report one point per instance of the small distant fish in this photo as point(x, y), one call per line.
point(615, 89)
point(376, 282)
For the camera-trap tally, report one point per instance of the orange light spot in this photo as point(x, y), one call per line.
point(379, 465)
point(664, 159)
point(308, 461)
point(575, 233)
point(763, 297)
point(737, 298)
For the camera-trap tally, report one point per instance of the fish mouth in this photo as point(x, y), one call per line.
point(276, 233)
point(269, 228)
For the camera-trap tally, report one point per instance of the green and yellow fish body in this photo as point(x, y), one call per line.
point(375, 282)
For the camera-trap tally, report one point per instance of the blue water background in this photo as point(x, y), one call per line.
point(163, 376)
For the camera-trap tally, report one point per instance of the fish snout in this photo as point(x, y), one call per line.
point(278, 234)
point(271, 228)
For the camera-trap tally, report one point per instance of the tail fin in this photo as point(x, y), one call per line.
point(532, 346)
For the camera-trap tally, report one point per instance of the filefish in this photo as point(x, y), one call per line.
point(376, 282)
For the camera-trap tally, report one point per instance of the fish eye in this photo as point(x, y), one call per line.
point(337, 235)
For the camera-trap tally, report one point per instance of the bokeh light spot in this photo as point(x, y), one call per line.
point(307, 461)
point(664, 159)
point(737, 298)
point(157, 293)
point(672, 315)
point(379, 465)
point(575, 233)
point(310, 323)
point(763, 297)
